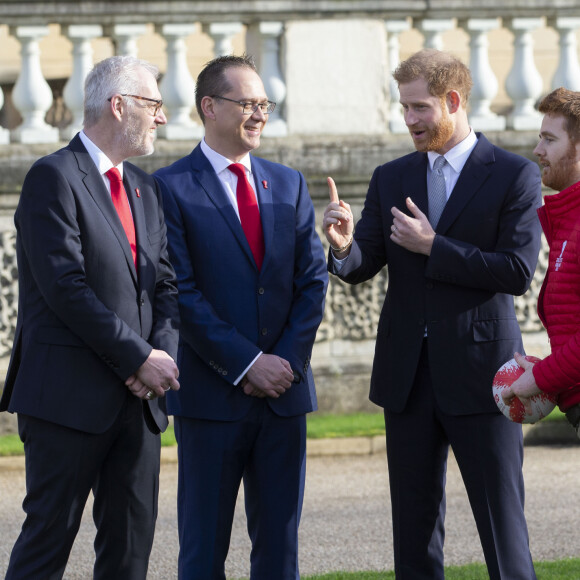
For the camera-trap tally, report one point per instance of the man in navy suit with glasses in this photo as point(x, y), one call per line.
point(252, 279)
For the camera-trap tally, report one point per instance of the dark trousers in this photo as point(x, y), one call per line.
point(121, 466)
point(268, 453)
point(489, 451)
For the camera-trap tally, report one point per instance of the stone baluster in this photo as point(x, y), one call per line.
point(393, 29)
point(222, 34)
point(263, 41)
point(4, 133)
point(568, 71)
point(524, 83)
point(32, 96)
point(73, 94)
point(177, 85)
point(485, 84)
point(433, 30)
point(125, 37)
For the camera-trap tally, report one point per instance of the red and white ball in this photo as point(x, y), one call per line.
point(542, 404)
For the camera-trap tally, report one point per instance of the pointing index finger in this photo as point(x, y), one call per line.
point(332, 190)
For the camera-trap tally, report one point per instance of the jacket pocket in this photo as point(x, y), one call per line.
point(496, 329)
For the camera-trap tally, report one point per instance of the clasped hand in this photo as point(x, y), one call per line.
point(270, 376)
point(156, 375)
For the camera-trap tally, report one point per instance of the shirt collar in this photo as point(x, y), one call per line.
point(458, 155)
point(221, 163)
point(102, 162)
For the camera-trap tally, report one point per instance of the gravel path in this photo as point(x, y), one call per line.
point(346, 517)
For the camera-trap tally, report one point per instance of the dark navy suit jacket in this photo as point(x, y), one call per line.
point(229, 310)
point(485, 252)
point(87, 319)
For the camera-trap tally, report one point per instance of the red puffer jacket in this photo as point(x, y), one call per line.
point(559, 300)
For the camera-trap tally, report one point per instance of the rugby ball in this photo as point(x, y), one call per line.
point(542, 404)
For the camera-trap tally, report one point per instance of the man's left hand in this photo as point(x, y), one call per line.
point(412, 233)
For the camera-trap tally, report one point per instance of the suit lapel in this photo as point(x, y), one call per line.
point(473, 175)
point(204, 173)
point(98, 191)
point(264, 185)
point(415, 184)
point(134, 195)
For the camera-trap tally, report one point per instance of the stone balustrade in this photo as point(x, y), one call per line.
point(333, 54)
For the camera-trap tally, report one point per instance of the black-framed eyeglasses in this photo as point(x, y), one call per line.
point(157, 103)
point(250, 108)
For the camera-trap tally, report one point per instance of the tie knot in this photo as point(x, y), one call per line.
point(113, 174)
point(238, 169)
point(439, 163)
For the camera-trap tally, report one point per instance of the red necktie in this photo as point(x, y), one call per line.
point(121, 203)
point(249, 213)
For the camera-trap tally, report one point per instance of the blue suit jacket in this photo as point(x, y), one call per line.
point(229, 310)
point(485, 251)
point(87, 319)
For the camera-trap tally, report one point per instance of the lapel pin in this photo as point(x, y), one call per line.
point(265, 184)
point(137, 192)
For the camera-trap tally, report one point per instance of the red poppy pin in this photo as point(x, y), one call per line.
point(265, 184)
point(138, 192)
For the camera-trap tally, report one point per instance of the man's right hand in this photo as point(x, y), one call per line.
point(270, 376)
point(337, 222)
point(158, 373)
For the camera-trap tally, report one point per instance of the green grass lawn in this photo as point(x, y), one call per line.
point(319, 426)
point(568, 569)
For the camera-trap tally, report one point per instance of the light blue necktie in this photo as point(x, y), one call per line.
point(437, 191)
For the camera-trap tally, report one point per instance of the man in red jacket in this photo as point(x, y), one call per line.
point(559, 301)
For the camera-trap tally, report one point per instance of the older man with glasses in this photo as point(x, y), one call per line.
point(252, 279)
point(96, 334)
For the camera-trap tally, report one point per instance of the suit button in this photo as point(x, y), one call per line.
point(224, 373)
point(264, 331)
point(261, 291)
point(429, 285)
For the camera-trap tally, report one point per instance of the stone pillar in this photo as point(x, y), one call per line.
point(524, 83)
point(4, 133)
point(568, 72)
point(222, 34)
point(73, 94)
point(485, 84)
point(32, 96)
point(393, 29)
point(177, 86)
point(433, 30)
point(264, 42)
point(125, 37)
